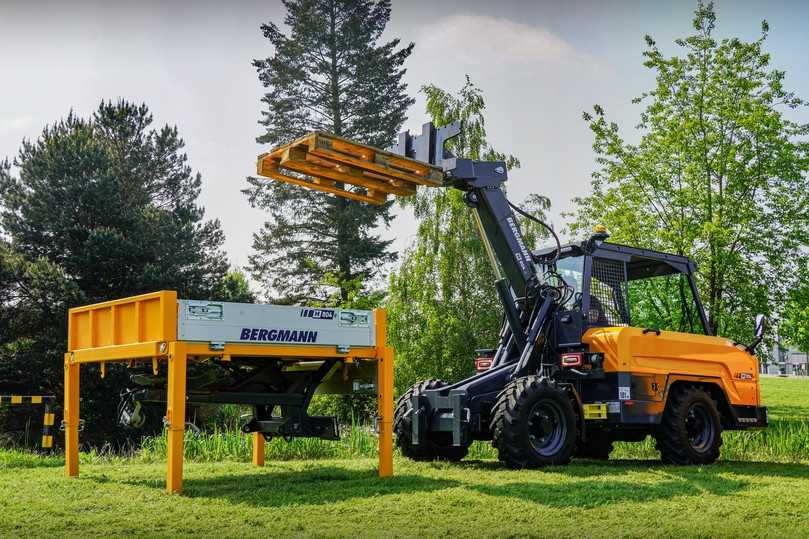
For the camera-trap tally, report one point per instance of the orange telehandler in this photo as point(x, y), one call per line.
point(577, 364)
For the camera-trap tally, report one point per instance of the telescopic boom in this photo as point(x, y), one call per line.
point(356, 171)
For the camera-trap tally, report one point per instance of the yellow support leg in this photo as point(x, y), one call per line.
point(71, 417)
point(386, 413)
point(258, 449)
point(385, 396)
point(175, 416)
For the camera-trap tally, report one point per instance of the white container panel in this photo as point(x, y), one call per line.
point(217, 321)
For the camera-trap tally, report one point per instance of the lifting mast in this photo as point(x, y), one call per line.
point(527, 303)
point(518, 284)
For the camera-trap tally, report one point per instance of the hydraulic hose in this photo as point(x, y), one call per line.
point(548, 227)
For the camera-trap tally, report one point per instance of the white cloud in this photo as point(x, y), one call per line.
point(15, 123)
point(478, 38)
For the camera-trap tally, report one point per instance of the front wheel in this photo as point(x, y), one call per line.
point(436, 445)
point(691, 429)
point(533, 424)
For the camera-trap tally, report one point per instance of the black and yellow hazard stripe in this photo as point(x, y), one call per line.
point(25, 399)
point(49, 417)
point(47, 425)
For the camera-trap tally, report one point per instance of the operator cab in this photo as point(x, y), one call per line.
point(617, 285)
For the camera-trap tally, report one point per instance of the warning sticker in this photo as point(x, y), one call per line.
point(205, 311)
point(354, 319)
point(624, 393)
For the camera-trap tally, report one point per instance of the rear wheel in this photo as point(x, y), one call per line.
point(437, 445)
point(533, 424)
point(598, 446)
point(691, 429)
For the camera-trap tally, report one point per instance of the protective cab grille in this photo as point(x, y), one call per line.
point(608, 294)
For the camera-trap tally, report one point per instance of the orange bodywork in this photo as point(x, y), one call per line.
point(657, 361)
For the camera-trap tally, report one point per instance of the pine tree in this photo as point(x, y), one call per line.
point(332, 74)
point(99, 208)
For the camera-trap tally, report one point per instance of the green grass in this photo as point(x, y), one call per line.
point(786, 439)
point(760, 488)
point(344, 498)
point(234, 445)
point(787, 398)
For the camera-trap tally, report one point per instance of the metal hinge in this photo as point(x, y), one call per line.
point(63, 425)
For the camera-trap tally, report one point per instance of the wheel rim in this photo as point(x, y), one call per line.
point(700, 427)
point(546, 428)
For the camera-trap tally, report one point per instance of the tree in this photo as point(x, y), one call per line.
point(332, 74)
point(718, 173)
point(235, 287)
point(113, 203)
point(795, 326)
point(34, 298)
point(442, 303)
point(101, 208)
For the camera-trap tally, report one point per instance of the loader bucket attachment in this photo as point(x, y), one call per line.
point(348, 169)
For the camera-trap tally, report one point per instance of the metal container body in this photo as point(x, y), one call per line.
point(216, 321)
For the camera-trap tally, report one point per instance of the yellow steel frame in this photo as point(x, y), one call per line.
point(144, 328)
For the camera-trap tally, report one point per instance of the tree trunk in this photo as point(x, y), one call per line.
point(343, 234)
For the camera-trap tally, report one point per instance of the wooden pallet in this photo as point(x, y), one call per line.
point(348, 169)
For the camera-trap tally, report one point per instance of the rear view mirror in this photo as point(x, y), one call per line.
point(761, 326)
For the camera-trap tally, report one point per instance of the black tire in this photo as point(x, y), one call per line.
point(597, 447)
point(438, 445)
point(691, 429)
point(533, 424)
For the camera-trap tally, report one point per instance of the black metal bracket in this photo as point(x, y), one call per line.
point(467, 174)
point(429, 146)
point(291, 395)
point(294, 420)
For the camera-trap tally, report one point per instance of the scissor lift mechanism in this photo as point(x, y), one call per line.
point(155, 329)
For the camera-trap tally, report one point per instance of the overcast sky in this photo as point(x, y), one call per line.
point(540, 65)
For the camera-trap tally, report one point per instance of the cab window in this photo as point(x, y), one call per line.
point(571, 269)
point(665, 302)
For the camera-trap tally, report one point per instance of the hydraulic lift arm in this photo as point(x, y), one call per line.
point(517, 279)
point(345, 168)
point(481, 181)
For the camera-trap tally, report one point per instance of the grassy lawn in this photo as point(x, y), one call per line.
point(787, 398)
point(345, 498)
point(623, 497)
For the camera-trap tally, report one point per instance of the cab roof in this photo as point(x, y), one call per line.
point(641, 263)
